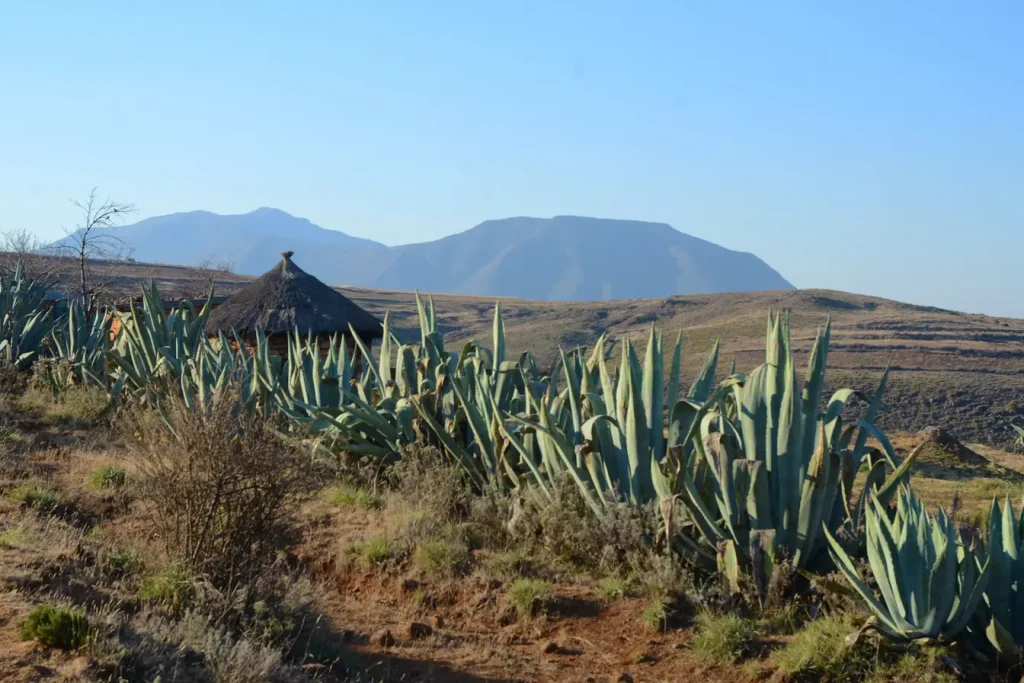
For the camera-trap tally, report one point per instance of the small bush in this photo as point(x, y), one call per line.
point(722, 638)
point(530, 596)
point(351, 496)
point(218, 486)
point(571, 531)
point(37, 497)
point(58, 627)
point(12, 380)
point(429, 495)
point(81, 404)
point(173, 589)
point(125, 562)
point(77, 404)
point(442, 557)
point(668, 586)
point(655, 615)
point(510, 564)
point(226, 657)
point(614, 587)
point(109, 477)
point(784, 620)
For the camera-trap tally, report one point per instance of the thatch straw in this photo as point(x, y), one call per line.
point(287, 298)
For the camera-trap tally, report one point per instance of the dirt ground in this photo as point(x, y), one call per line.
point(394, 626)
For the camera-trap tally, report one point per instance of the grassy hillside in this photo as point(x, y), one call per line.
point(962, 370)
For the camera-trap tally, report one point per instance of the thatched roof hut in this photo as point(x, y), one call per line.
point(287, 298)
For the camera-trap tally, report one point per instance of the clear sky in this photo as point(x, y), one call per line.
point(873, 147)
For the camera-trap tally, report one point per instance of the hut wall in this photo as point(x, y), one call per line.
point(278, 345)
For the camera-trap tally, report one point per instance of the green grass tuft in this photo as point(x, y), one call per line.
point(17, 537)
point(378, 552)
point(442, 557)
point(37, 497)
point(173, 589)
point(58, 627)
point(125, 562)
point(351, 496)
point(614, 587)
point(655, 615)
point(820, 651)
point(722, 638)
point(530, 596)
point(109, 477)
point(77, 404)
point(509, 564)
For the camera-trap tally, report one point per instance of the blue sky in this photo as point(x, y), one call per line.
point(873, 147)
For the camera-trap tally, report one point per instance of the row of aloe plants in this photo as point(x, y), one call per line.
point(746, 473)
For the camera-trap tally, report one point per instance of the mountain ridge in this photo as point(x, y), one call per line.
point(565, 257)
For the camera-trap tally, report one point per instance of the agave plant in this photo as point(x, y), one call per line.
point(314, 380)
point(608, 433)
point(1020, 435)
point(465, 413)
point(776, 467)
point(1001, 613)
point(83, 343)
point(25, 320)
point(931, 583)
point(374, 416)
point(152, 346)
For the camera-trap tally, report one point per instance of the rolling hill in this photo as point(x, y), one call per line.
point(962, 372)
point(565, 258)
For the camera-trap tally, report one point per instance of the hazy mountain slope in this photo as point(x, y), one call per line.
point(565, 258)
point(570, 258)
point(252, 241)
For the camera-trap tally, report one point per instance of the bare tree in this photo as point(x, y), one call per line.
point(17, 245)
point(98, 253)
point(24, 246)
point(204, 276)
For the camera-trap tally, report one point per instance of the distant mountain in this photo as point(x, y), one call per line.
point(252, 241)
point(567, 258)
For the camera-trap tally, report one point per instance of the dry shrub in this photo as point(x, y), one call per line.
point(569, 530)
point(218, 486)
point(12, 380)
point(428, 493)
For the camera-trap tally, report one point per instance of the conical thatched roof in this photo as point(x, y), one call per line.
point(287, 298)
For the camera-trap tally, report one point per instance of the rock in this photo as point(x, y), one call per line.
point(508, 616)
point(551, 648)
point(624, 678)
point(418, 631)
point(383, 639)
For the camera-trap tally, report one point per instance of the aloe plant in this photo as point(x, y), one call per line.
point(931, 583)
point(25, 320)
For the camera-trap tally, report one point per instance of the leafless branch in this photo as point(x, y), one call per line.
point(99, 254)
point(204, 276)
